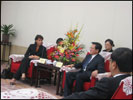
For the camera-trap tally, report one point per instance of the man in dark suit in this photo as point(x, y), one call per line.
point(91, 66)
point(120, 67)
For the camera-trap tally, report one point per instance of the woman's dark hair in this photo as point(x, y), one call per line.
point(59, 40)
point(123, 58)
point(38, 37)
point(110, 41)
point(97, 46)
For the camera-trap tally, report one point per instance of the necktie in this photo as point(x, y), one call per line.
point(86, 62)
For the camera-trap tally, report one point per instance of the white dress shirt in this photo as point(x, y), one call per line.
point(118, 75)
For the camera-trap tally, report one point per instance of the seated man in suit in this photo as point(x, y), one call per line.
point(91, 66)
point(120, 67)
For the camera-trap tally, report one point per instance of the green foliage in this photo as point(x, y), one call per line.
point(7, 29)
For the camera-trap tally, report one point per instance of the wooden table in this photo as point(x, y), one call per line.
point(41, 67)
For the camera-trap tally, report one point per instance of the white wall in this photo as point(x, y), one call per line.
point(52, 19)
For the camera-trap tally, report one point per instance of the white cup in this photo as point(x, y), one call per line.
point(54, 62)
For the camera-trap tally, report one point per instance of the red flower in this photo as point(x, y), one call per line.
point(77, 55)
point(66, 53)
point(73, 59)
point(79, 49)
point(75, 50)
point(57, 57)
point(73, 44)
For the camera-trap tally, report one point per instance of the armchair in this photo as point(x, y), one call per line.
point(124, 91)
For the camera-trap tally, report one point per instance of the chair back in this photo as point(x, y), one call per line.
point(124, 91)
point(106, 66)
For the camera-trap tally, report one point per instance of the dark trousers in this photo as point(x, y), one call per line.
point(23, 68)
point(80, 78)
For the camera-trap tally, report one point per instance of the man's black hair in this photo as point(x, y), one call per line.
point(123, 58)
point(98, 46)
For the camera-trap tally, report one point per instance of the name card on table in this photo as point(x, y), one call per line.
point(59, 64)
point(42, 60)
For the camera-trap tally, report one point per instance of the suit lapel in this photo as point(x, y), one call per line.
point(94, 59)
point(34, 48)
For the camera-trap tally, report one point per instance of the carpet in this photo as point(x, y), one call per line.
point(28, 93)
point(47, 91)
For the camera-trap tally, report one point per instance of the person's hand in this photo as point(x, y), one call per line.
point(31, 57)
point(70, 65)
point(109, 74)
point(94, 73)
point(36, 57)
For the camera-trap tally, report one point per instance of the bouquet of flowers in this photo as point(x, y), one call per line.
point(71, 49)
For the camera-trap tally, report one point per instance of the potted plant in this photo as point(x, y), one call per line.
point(7, 31)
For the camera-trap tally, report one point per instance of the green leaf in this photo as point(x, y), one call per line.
point(7, 29)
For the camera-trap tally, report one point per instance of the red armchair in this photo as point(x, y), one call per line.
point(49, 51)
point(106, 66)
point(47, 75)
point(86, 85)
point(124, 91)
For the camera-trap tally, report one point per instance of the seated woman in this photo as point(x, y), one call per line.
point(109, 44)
point(59, 42)
point(34, 51)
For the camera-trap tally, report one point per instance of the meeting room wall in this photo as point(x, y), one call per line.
point(52, 19)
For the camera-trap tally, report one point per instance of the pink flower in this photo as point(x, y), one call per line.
point(72, 53)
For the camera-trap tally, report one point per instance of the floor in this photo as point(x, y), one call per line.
point(5, 86)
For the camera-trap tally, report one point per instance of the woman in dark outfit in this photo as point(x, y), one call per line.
point(109, 44)
point(34, 51)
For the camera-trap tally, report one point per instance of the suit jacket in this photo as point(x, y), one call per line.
point(104, 89)
point(32, 51)
point(97, 63)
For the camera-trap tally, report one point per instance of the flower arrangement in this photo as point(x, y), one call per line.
point(71, 49)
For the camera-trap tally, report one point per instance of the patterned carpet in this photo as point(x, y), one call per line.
point(26, 93)
point(47, 90)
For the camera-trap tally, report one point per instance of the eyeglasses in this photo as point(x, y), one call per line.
point(92, 48)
